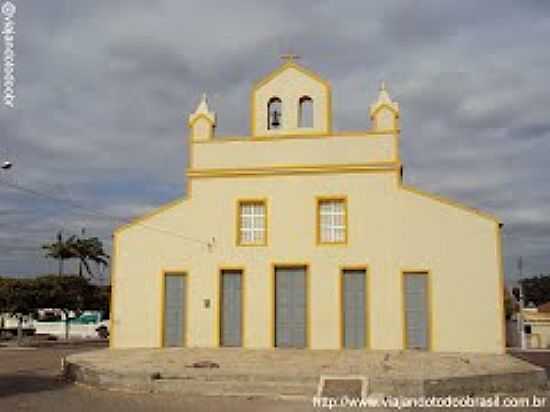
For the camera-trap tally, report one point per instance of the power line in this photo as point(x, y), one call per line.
point(90, 211)
point(527, 239)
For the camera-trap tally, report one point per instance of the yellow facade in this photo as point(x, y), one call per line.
point(391, 228)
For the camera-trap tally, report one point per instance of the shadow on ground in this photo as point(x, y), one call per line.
point(18, 384)
point(541, 359)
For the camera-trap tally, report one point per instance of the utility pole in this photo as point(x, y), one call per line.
point(60, 257)
point(521, 306)
point(82, 233)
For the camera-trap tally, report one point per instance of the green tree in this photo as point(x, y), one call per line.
point(85, 250)
point(18, 297)
point(70, 293)
point(100, 299)
point(536, 289)
point(89, 250)
point(60, 250)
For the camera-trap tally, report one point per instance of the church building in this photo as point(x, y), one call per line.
point(301, 236)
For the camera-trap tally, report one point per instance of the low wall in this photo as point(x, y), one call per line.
point(76, 330)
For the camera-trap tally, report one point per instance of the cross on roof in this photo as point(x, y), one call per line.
point(289, 57)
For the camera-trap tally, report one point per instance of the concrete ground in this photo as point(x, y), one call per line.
point(30, 381)
point(171, 362)
point(536, 357)
point(296, 373)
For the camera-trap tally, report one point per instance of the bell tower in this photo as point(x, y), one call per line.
point(292, 100)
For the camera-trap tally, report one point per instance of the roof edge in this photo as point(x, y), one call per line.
point(453, 203)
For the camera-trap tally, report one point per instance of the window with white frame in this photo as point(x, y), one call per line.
point(332, 221)
point(252, 223)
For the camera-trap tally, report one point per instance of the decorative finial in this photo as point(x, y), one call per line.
point(203, 105)
point(384, 104)
point(289, 57)
point(202, 110)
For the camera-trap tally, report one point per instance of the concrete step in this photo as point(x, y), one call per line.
point(263, 389)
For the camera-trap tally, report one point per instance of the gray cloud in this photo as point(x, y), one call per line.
point(103, 91)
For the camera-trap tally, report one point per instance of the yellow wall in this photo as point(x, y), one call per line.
point(289, 83)
point(390, 229)
point(540, 335)
point(385, 119)
point(341, 149)
point(202, 129)
point(539, 338)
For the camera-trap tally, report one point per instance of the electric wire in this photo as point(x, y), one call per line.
point(93, 212)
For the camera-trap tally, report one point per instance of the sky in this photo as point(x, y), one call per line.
point(103, 91)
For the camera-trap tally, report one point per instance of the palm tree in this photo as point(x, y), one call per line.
point(89, 250)
point(60, 250)
point(86, 250)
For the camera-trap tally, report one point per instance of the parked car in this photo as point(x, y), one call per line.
point(9, 324)
point(103, 330)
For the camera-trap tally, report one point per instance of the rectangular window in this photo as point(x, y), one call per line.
point(332, 221)
point(252, 224)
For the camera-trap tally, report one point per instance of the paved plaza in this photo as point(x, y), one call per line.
point(288, 372)
point(30, 380)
